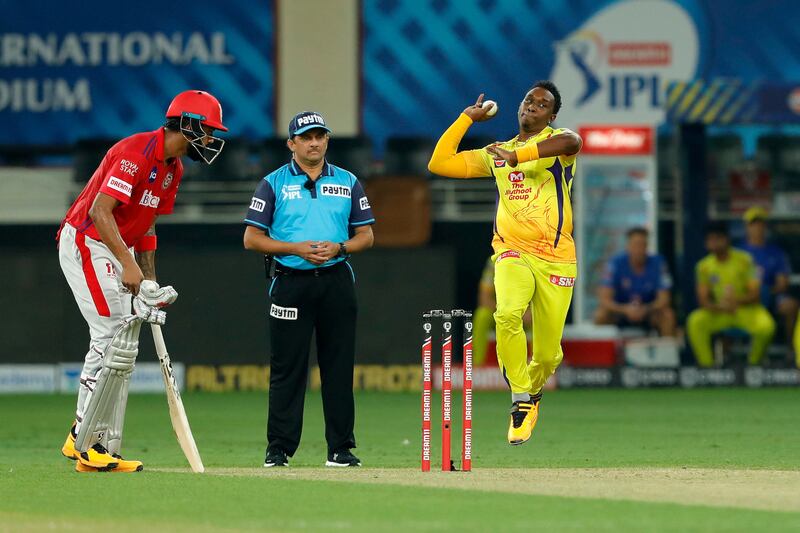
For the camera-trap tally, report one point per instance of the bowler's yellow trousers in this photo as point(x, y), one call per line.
point(521, 280)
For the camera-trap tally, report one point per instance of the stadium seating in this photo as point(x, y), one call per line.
point(272, 153)
point(781, 155)
point(21, 155)
point(234, 163)
point(88, 154)
point(475, 142)
point(725, 152)
point(353, 154)
point(402, 209)
point(408, 155)
point(729, 342)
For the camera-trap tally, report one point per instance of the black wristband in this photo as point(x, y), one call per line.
point(342, 250)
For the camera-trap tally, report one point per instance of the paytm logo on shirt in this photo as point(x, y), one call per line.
point(257, 204)
point(336, 190)
point(149, 200)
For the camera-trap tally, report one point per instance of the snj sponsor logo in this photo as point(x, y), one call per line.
point(562, 281)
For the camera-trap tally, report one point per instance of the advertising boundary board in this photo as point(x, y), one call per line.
point(62, 378)
point(408, 378)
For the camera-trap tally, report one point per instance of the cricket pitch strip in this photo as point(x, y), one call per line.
point(770, 490)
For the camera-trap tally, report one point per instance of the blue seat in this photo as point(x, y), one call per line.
point(736, 336)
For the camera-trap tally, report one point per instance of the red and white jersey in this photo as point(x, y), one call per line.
point(134, 172)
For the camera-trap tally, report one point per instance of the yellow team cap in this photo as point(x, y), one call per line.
point(755, 213)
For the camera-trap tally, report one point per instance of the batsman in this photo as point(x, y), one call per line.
point(534, 253)
point(106, 248)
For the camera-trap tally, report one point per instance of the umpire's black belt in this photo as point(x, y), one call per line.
point(316, 272)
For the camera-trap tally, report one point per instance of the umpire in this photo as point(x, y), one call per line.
point(307, 217)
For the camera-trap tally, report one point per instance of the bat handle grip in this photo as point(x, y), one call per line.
point(158, 340)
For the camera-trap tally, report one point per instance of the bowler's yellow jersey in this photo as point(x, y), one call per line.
point(534, 204)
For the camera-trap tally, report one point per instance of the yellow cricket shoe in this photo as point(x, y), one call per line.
point(523, 419)
point(68, 449)
point(80, 467)
point(127, 466)
point(97, 457)
point(123, 467)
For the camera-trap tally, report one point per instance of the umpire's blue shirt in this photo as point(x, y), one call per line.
point(290, 209)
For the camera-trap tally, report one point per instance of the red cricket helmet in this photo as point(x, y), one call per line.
point(189, 112)
point(200, 105)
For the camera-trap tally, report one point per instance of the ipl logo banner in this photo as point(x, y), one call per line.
point(612, 71)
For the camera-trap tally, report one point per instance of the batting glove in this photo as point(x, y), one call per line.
point(154, 296)
point(149, 313)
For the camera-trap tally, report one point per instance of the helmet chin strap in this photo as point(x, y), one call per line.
point(192, 130)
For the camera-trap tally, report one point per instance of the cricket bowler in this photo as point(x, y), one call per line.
point(534, 252)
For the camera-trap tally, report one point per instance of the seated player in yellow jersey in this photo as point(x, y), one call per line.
point(728, 295)
point(534, 250)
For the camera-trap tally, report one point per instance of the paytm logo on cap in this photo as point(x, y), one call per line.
point(305, 121)
point(310, 119)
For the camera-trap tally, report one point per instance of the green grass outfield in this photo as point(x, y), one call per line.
point(600, 460)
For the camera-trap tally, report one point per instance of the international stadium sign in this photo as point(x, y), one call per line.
point(63, 77)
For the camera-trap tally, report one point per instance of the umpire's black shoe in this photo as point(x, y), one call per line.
point(342, 458)
point(276, 457)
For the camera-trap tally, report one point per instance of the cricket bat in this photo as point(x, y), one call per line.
point(176, 411)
